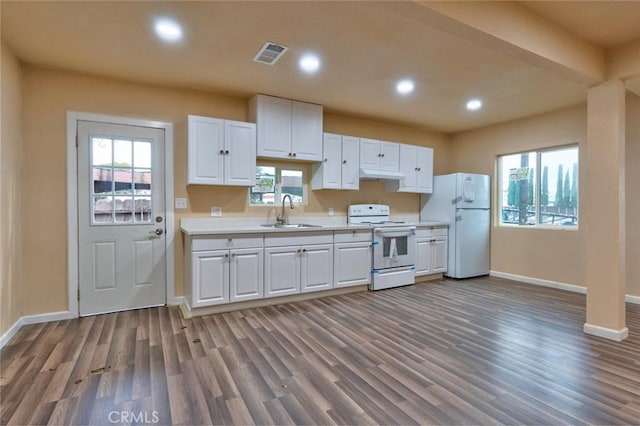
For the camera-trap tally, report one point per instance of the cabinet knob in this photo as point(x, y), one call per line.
point(227, 152)
point(226, 255)
point(382, 155)
point(325, 160)
point(419, 168)
point(379, 155)
point(294, 154)
point(344, 161)
point(290, 154)
point(222, 152)
point(229, 239)
point(304, 250)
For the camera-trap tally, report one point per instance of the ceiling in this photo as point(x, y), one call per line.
point(365, 48)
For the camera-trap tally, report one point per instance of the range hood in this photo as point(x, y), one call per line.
point(381, 174)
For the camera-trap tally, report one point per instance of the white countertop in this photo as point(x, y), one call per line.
point(224, 226)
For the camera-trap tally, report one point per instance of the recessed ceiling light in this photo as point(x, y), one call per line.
point(168, 30)
point(404, 87)
point(474, 104)
point(309, 63)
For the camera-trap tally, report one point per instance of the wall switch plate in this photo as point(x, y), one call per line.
point(216, 211)
point(181, 203)
point(331, 211)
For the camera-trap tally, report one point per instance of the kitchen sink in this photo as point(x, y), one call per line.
point(291, 225)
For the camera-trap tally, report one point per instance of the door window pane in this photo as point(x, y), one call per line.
point(102, 151)
point(122, 153)
point(142, 154)
point(115, 181)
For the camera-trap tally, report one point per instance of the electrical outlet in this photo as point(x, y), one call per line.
point(331, 211)
point(216, 211)
point(181, 203)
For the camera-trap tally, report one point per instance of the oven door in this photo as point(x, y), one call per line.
point(393, 247)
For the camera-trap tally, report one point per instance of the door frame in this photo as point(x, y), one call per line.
point(72, 201)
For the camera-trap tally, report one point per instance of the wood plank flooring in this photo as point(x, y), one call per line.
point(482, 351)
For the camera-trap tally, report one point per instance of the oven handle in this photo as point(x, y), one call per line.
point(395, 232)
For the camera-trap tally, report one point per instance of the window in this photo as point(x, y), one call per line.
point(121, 174)
point(539, 188)
point(274, 182)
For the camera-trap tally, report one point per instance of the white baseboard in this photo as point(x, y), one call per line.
point(34, 319)
point(546, 283)
point(632, 299)
point(607, 333)
point(537, 281)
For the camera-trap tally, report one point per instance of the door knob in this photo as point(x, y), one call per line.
point(158, 231)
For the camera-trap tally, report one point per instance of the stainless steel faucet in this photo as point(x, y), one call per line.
point(282, 218)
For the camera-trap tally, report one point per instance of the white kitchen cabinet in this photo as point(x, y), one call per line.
point(431, 251)
point(298, 269)
point(210, 280)
point(287, 129)
point(223, 270)
point(339, 168)
point(416, 163)
point(220, 152)
point(316, 268)
point(297, 262)
point(352, 257)
point(379, 155)
point(246, 274)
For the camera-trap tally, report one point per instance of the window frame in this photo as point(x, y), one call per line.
point(278, 184)
point(537, 189)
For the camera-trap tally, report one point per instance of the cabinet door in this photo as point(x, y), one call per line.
point(369, 153)
point(273, 127)
point(210, 278)
point(390, 156)
point(316, 268)
point(306, 131)
point(424, 164)
point(423, 256)
point(205, 146)
point(439, 250)
point(408, 167)
point(350, 163)
point(331, 168)
point(352, 263)
point(246, 274)
point(281, 271)
point(240, 153)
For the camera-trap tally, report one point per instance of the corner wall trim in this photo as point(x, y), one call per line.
point(34, 319)
point(537, 281)
point(607, 333)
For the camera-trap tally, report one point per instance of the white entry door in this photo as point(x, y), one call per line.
point(121, 217)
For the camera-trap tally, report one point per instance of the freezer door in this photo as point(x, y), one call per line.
point(473, 191)
point(472, 245)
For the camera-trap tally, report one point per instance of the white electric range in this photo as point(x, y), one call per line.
point(393, 259)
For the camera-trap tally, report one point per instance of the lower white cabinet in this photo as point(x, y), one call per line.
point(223, 270)
point(298, 269)
point(352, 257)
point(431, 251)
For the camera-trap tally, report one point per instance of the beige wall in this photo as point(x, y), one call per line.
point(10, 174)
point(632, 191)
point(49, 94)
point(555, 255)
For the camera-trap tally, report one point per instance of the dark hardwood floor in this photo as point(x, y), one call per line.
point(482, 351)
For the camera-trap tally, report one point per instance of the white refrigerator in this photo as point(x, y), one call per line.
point(463, 200)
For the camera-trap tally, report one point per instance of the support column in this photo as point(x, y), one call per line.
point(605, 211)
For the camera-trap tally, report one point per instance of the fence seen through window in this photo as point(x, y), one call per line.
point(539, 187)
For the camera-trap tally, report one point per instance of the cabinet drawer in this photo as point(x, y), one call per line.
point(240, 241)
point(279, 239)
point(352, 236)
point(431, 231)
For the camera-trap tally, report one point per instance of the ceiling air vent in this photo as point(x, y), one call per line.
point(270, 53)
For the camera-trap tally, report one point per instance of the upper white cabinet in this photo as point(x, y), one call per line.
point(287, 129)
point(416, 163)
point(379, 155)
point(220, 152)
point(339, 168)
